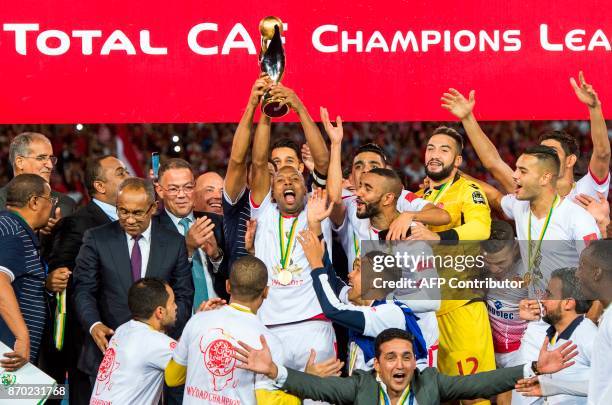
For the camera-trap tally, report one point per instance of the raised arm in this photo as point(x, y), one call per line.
point(462, 108)
point(334, 172)
point(599, 164)
point(494, 196)
point(235, 179)
point(316, 143)
point(260, 176)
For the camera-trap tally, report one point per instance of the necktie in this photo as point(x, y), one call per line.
point(197, 271)
point(136, 259)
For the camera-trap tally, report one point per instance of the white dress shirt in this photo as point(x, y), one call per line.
point(209, 283)
point(109, 210)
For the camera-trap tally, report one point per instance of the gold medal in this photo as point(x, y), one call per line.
point(527, 278)
point(284, 277)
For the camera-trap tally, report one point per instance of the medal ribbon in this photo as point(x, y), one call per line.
point(443, 190)
point(288, 249)
point(352, 357)
point(406, 395)
point(542, 233)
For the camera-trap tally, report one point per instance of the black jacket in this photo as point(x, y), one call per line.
point(222, 274)
point(102, 278)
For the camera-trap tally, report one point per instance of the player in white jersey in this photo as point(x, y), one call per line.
point(203, 359)
point(132, 370)
point(595, 276)
point(596, 180)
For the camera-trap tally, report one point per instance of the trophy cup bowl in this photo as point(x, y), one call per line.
point(272, 62)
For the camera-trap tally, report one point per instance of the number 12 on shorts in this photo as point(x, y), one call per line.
point(469, 364)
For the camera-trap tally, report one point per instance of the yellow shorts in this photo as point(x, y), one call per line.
point(466, 343)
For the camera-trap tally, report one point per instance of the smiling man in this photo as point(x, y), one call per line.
point(208, 193)
point(395, 379)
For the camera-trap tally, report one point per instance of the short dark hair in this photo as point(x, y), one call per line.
point(547, 155)
point(145, 295)
point(373, 148)
point(93, 173)
point(23, 187)
point(174, 163)
point(287, 143)
point(390, 334)
point(570, 288)
point(502, 235)
point(392, 176)
point(568, 142)
point(448, 131)
point(136, 183)
point(248, 278)
point(599, 254)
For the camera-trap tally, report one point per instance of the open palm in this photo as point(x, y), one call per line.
point(457, 104)
point(257, 361)
point(584, 91)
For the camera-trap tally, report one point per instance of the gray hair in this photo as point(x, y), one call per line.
point(136, 183)
point(20, 145)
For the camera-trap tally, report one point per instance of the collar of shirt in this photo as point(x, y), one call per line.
point(25, 226)
point(146, 235)
point(176, 220)
point(241, 308)
point(109, 210)
point(383, 386)
point(567, 332)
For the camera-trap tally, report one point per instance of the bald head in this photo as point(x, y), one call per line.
point(248, 278)
point(209, 191)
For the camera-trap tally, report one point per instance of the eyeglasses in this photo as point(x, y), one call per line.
point(172, 191)
point(53, 200)
point(138, 215)
point(43, 158)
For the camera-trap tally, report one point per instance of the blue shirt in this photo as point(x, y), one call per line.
point(109, 210)
point(20, 259)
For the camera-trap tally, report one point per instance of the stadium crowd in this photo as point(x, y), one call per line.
point(237, 273)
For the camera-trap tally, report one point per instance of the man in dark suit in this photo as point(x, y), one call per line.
point(203, 231)
point(102, 178)
point(115, 255)
point(395, 378)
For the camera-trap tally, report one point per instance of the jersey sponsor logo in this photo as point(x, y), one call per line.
point(105, 371)
point(218, 358)
point(495, 310)
point(588, 238)
point(173, 345)
point(478, 198)
point(498, 304)
point(410, 197)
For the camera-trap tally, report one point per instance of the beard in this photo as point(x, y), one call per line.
point(371, 210)
point(442, 174)
point(552, 317)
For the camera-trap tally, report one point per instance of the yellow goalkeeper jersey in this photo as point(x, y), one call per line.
point(470, 215)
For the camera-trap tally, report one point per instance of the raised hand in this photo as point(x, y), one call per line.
point(335, 133)
point(260, 86)
point(318, 207)
point(313, 248)
point(598, 208)
point(211, 304)
point(327, 368)
point(457, 104)
point(257, 361)
point(556, 360)
point(307, 158)
point(585, 91)
point(198, 234)
point(249, 236)
point(286, 96)
point(529, 310)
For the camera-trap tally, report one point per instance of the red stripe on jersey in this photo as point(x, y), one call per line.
point(410, 196)
point(589, 237)
point(597, 180)
point(253, 202)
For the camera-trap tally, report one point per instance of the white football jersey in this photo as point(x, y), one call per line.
point(589, 185)
point(571, 227)
point(206, 348)
point(600, 380)
point(294, 299)
point(132, 370)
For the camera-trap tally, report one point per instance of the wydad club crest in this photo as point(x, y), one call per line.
point(217, 348)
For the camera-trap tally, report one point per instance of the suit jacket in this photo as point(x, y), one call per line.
point(102, 278)
point(430, 387)
point(222, 273)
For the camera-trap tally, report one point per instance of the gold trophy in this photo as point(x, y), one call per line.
point(272, 62)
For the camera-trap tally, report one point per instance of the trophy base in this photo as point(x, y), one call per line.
point(274, 109)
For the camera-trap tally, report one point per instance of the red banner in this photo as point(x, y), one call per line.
point(188, 61)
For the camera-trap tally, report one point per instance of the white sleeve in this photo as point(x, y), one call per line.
point(8, 272)
point(552, 386)
point(258, 210)
point(409, 201)
point(160, 353)
point(588, 184)
point(383, 317)
point(181, 352)
point(508, 202)
point(584, 227)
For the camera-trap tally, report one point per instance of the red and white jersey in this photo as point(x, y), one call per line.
point(132, 370)
point(590, 185)
point(206, 348)
point(296, 300)
point(571, 227)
